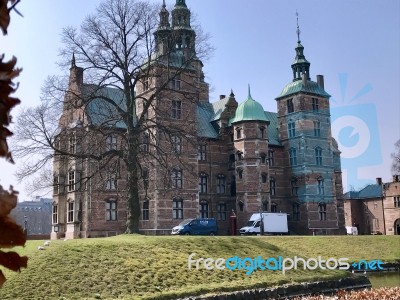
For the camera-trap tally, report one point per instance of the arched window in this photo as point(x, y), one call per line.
point(321, 186)
point(322, 211)
point(203, 182)
point(264, 177)
point(293, 156)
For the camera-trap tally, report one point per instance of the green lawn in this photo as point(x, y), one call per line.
point(144, 267)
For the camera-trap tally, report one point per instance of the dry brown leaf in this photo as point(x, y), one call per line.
point(12, 261)
point(4, 16)
point(8, 200)
point(2, 279)
point(11, 234)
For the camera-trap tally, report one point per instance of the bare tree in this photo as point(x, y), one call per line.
point(133, 63)
point(396, 159)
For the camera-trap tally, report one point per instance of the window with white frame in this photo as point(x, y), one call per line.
point(70, 212)
point(176, 82)
point(177, 208)
point(221, 184)
point(71, 181)
point(221, 211)
point(55, 214)
point(396, 201)
point(203, 210)
point(176, 112)
point(72, 143)
point(203, 183)
point(271, 160)
point(272, 186)
point(111, 210)
point(111, 182)
point(176, 178)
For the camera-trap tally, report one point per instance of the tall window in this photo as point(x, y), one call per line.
point(317, 128)
point(296, 211)
point(291, 129)
point(290, 107)
point(271, 158)
point(318, 156)
point(203, 183)
point(177, 208)
point(202, 152)
point(177, 144)
point(272, 186)
point(146, 142)
point(263, 158)
point(238, 133)
point(315, 104)
point(231, 161)
point(55, 214)
point(111, 182)
point(396, 201)
point(145, 211)
point(145, 177)
point(322, 211)
point(203, 210)
point(176, 82)
point(221, 210)
point(71, 181)
point(176, 178)
point(221, 184)
point(293, 157)
point(294, 186)
point(72, 143)
point(274, 207)
point(240, 173)
point(111, 143)
point(57, 185)
point(176, 109)
point(264, 177)
point(70, 212)
point(263, 134)
point(321, 187)
point(111, 210)
point(239, 156)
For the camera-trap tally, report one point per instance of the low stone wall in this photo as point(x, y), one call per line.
point(291, 291)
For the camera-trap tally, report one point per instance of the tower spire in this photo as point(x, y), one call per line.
point(180, 3)
point(298, 28)
point(73, 64)
point(249, 93)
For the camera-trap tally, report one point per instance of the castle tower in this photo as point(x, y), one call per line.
point(305, 132)
point(251, 147)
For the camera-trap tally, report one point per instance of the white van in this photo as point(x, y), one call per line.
point(274, 223)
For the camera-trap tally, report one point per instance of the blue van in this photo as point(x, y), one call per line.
point(198, 226)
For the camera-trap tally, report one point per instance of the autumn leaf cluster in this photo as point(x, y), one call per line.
point(11, 234)
point(388, 293)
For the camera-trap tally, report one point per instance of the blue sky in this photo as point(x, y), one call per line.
point(354, 44)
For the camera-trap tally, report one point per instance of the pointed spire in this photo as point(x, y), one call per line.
point(249, 94)
point(73, 60)
point(164, 16)
point(163, 4)
point(180, 3)
point(298, 28)
point(232, 94)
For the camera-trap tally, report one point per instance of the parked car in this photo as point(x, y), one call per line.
point(351, 230)
point(274, 223)
point(199, 226)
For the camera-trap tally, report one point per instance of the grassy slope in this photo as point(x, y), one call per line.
point(132, 267)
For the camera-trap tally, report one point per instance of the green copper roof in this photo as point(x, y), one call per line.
point(249, 110)
point(298, 87)
point(180, 3)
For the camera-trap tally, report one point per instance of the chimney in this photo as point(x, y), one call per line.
point(304, 78)
point(396, 178)
point(320, 80)
point(379, 180)
point(221, 97)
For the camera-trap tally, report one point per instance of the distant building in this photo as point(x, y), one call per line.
point(246, 160)
point(375, 209)
point(34, 216)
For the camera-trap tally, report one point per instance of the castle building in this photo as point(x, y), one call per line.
point(245, 159)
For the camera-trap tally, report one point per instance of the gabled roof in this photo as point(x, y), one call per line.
point(218, 107)
point(204, 116)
